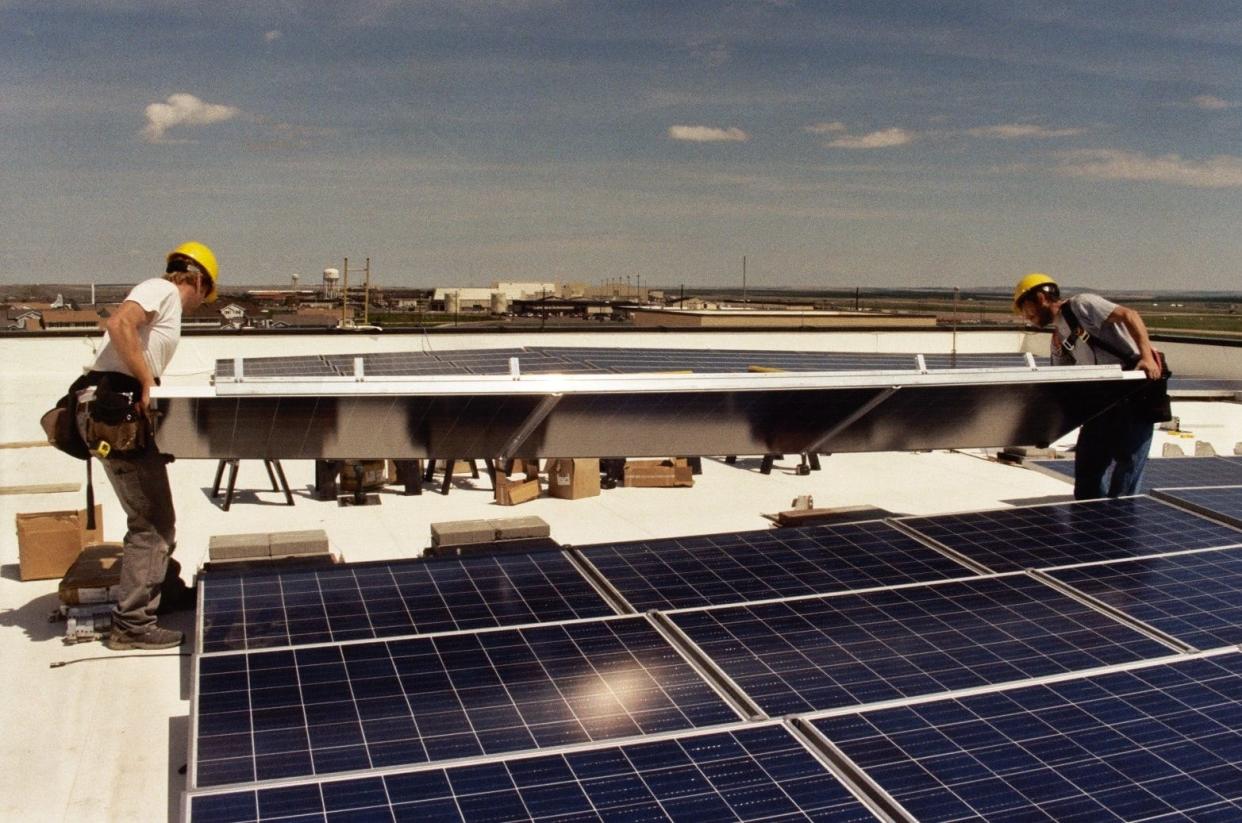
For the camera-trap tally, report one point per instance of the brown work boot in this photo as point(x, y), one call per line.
point(152, 637)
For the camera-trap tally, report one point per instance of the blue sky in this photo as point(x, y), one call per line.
point(833, 144)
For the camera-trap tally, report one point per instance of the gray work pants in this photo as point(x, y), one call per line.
point(141, 484)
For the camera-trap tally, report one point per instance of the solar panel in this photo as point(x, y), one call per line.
point(1223, 503)
point(399, 597)
point(1156, 743)
point(537, 359)
point(326, 709)
point(758, 773)
point(1165, 472)
point(756, 565)
point(820, 653)
point(1065, 534)
point(1195, 597)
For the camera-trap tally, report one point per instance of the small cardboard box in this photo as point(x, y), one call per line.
point(570, 479)
point(374, 475)
point(49, 542)
point(94, 577)
point(510, 491)
point(658, 473)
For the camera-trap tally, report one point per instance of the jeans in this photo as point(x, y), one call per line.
point(141, 484)
point(1119, 439)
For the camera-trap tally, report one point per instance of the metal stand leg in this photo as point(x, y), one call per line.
point(448, 475)
point(215, 484)
point(813, 457)
point(410, 475)
point(766, 466)
point(284, 483)
point(325, 479)
point(730, 459)
point(228, 494)
point(696, 465)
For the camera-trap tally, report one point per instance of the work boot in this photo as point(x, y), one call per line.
point(152, 637)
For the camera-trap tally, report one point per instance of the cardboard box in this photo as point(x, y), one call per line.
point(658, 473)
point(510, 492)
point(374, 475)
point(94, 577)
point(570, 479)
point(49, 542)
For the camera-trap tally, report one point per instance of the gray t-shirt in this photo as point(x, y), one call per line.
point(1092, 312)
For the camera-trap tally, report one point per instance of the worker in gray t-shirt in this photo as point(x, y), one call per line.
point(1089, 330)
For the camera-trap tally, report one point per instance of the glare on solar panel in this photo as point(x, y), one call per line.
point(1155, 743)
point(823, 652)
point(389, 598)
point(345, 707)
point(756, 773)
point(1195, 597)
point(742, 566)
point(1069, 533)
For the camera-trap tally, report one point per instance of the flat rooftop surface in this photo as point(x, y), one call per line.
point(97, 735)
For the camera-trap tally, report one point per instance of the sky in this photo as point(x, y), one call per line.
point(833, 144)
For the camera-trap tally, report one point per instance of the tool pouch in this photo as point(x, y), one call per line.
point(110, 423)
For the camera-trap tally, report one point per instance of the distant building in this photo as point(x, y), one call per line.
point(748, 318)
point(23, 320)
point(71, 319)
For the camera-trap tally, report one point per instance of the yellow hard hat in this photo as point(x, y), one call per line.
point(206, 261)
point(1032, 281)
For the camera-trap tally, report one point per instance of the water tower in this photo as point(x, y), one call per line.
point(293, 281)
point(331, 282)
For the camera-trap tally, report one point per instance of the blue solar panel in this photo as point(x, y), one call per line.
point(1159, 743)
point(741, 566)
point(1223, 503)
point(1061, 535)
point(1194, 597)
point(1165, 472)
point(759, 773)
point(821, 653)
point(399, 597)
point(325, 709)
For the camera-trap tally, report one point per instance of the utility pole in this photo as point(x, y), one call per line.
point(639, 291)
point(743, 278)
point(366, 297)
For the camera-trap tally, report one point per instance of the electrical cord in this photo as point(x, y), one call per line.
point(64, 663)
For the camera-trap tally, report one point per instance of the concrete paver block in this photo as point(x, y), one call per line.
point(462, 532)
point(514, 528)
point(309, 541)
point(238, 546)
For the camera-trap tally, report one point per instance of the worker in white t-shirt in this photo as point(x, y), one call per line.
point(142, 338)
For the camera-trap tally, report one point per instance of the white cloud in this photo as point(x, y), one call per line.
point(883, 139)
point(835, 127)
point(1014, 131)
point(708, 134)
point(1210, 102)
point(1223, 171)
point(272, 36)
point(183, 110)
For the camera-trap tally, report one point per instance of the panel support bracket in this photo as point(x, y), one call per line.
point(818, 443)
point(532, 421)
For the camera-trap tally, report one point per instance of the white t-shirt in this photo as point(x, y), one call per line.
point(159, 337)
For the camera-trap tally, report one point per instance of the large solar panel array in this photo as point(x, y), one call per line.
point(571, 360)
point(743, 566)
point(1159, 743)
point(503, 688)
point(1061, 535)
point(385, 599)
point(757, 773)
point(1167, 472)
